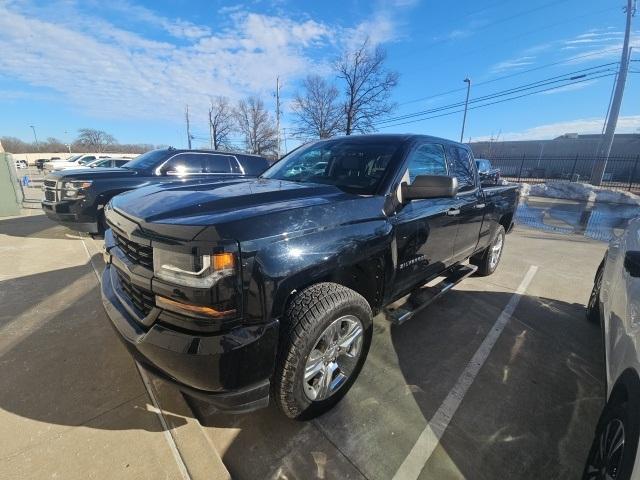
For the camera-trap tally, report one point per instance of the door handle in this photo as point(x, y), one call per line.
point(480, 205)
point(452, 212)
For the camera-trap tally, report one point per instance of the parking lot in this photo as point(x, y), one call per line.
point(501, 378)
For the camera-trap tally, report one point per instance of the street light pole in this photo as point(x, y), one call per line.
point(35, 136)
point(466, 104)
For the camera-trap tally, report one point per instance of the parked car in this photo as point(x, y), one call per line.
point(75, 198)
point(234, 289)
point(615, 305)
point(21, 164)
point(103, 163)
point(76, 161)
point(40, 163)
point(488, 175)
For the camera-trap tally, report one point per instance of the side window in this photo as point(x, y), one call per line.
point(427, 159)
point(183, 164)
point(217, 163)
point(461, 168)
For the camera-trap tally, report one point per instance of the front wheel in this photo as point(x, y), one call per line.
point(326, 334)
point(487, 261)
point(613, 451)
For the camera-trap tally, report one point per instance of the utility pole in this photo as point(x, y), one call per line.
point(35, 136)
point(278, 116)
point(212, 141)
point(466, 104)
point(602, 158)
point(188, 130)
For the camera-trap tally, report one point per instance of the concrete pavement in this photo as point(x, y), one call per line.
point(72, 403)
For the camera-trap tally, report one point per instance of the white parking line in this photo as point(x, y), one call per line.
point(184, 473)
point(432, 433)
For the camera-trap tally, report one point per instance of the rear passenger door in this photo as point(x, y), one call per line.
point(425, 232)
point(469, 204)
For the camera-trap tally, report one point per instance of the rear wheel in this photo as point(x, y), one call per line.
point(487, 261)
point(326, 336)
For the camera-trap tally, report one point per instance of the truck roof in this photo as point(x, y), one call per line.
point(393, 138)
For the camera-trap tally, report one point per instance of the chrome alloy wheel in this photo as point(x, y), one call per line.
point(496, 251)
point(605, 462)
point(333, 358)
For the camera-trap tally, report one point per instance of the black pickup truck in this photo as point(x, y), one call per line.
point(240, 289)
point(76, 198)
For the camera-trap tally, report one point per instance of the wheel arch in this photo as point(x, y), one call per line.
point(365, 277)
point(626, 388)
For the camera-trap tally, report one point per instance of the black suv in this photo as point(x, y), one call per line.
point(76, 198)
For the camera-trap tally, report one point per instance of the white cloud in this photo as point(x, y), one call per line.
point(626, 124)
point(513, 64)
point(112, 72)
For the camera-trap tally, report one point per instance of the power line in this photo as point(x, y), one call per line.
point(529, 86)
point(522, 72)
point(498, 101)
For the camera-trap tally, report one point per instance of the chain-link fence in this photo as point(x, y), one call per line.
point(622, 173)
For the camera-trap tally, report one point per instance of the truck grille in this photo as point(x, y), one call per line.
point(142, 299)
point(50, 183)
point(50, 195)
point(138, 254)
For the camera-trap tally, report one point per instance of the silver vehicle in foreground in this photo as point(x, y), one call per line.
point(615, 303)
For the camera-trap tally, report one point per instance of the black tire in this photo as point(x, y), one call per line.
point(484, 261)
point(306, 318)
point(593, 307)
point(619, 465)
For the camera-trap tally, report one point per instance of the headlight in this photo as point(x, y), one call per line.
point(74, 189)
point(76, 185)
point(190, 270)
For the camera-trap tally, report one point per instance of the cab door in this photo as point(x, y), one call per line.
point(470, 205)
point(425, 230)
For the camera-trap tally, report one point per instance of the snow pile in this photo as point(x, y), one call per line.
point(578, 191)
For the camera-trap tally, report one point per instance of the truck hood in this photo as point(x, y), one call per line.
point(91, 173)
point(239, 208)
point(205, 203)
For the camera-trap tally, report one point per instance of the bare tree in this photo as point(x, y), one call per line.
point(221, 122)
point(368, 86)
point(317, 111)
point(92, 140)
point(257, 126)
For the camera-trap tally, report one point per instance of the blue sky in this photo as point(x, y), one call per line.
point(130, 67)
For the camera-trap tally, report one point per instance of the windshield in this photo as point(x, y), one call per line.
point(70, 159)
point(353, 166)
point(146, 160)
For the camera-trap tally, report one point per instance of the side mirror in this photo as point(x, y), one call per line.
point(632, 263)
point(430, 186)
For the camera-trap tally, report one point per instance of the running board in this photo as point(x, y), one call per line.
point(425, 296)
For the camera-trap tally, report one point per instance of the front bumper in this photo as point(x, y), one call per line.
point(64, 213)
point(230, 370)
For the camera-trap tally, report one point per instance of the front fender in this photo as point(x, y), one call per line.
point(276, 269)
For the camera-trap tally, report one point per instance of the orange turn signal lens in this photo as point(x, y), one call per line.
point(187, 308)
point(222, 261)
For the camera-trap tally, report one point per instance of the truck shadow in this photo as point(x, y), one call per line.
point(530, 412)
point(62, 364)
point(34, 226)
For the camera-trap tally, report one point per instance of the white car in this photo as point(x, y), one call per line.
point(103, 163)
point(77, 161)
point(21, 164)
point(615, 303)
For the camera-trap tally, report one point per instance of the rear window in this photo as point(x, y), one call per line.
point(148, 160)
point(253, 165)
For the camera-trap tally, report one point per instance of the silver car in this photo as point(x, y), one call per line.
point(615, 303)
